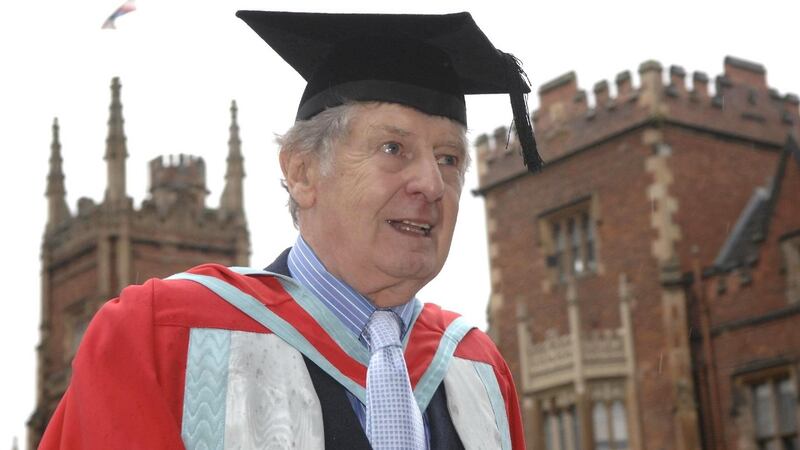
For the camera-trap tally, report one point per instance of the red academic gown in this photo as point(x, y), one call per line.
point(129, 374)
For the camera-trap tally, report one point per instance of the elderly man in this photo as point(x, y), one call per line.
point(328, 346)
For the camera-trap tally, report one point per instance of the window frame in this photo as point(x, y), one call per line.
point(772, 377)
point(790, 253)
point(560, 422)
point(613, 441)
point(558, 239)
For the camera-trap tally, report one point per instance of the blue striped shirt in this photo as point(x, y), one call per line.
point(350, 307)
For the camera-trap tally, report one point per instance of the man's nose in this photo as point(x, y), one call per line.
point(426, 178)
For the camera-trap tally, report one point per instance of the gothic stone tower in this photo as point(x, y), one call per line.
point(593, 260)
point(88, 257)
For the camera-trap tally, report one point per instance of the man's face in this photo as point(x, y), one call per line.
point(384, 215)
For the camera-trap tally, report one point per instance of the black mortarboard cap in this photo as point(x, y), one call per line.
point(428, 62)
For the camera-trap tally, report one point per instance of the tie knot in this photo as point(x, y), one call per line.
point(383, 330)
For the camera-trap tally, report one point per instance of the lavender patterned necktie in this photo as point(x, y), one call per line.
point(394, 420)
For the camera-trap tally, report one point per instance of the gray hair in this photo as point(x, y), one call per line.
point(320, 133)
point(317, 135)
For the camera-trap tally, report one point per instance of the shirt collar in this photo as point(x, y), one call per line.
point(350, 307)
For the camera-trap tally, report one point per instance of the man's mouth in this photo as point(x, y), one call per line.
point(408, 226)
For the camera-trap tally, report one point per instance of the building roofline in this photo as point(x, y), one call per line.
point(761, 230)
point(648, 122)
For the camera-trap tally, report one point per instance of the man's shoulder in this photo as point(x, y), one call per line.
point(205, 277)
point(474, 343)
point(181, 284)
point(187, 298)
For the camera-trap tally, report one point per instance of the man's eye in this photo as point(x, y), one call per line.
point(391, 148)
point(447, 160)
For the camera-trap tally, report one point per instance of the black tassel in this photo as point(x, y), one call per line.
point(519, 86)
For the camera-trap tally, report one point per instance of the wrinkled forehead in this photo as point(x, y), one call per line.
point(379, 121)
point(404, 121)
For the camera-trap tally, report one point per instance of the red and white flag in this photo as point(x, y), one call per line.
point(125, 8)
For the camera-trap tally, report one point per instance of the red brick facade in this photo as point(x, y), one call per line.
point(602, 324)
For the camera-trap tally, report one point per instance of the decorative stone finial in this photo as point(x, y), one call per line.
point(232, 200)
point(57, 210)
point(116, 149)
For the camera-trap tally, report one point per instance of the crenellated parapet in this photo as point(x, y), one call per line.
point(177, 199)
point(178, 178)
point(741, 106)
point(179, 169)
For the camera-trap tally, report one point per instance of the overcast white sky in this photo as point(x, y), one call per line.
point(181, 62)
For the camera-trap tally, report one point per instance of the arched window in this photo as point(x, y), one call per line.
point(602, 437)
point(547, 427)
point(610, 425)
point(619, 426)
point(561, 428)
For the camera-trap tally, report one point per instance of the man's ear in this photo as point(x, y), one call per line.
point(301, 172)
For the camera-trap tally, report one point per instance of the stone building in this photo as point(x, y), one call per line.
point(646, 282)
point(89, 256)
